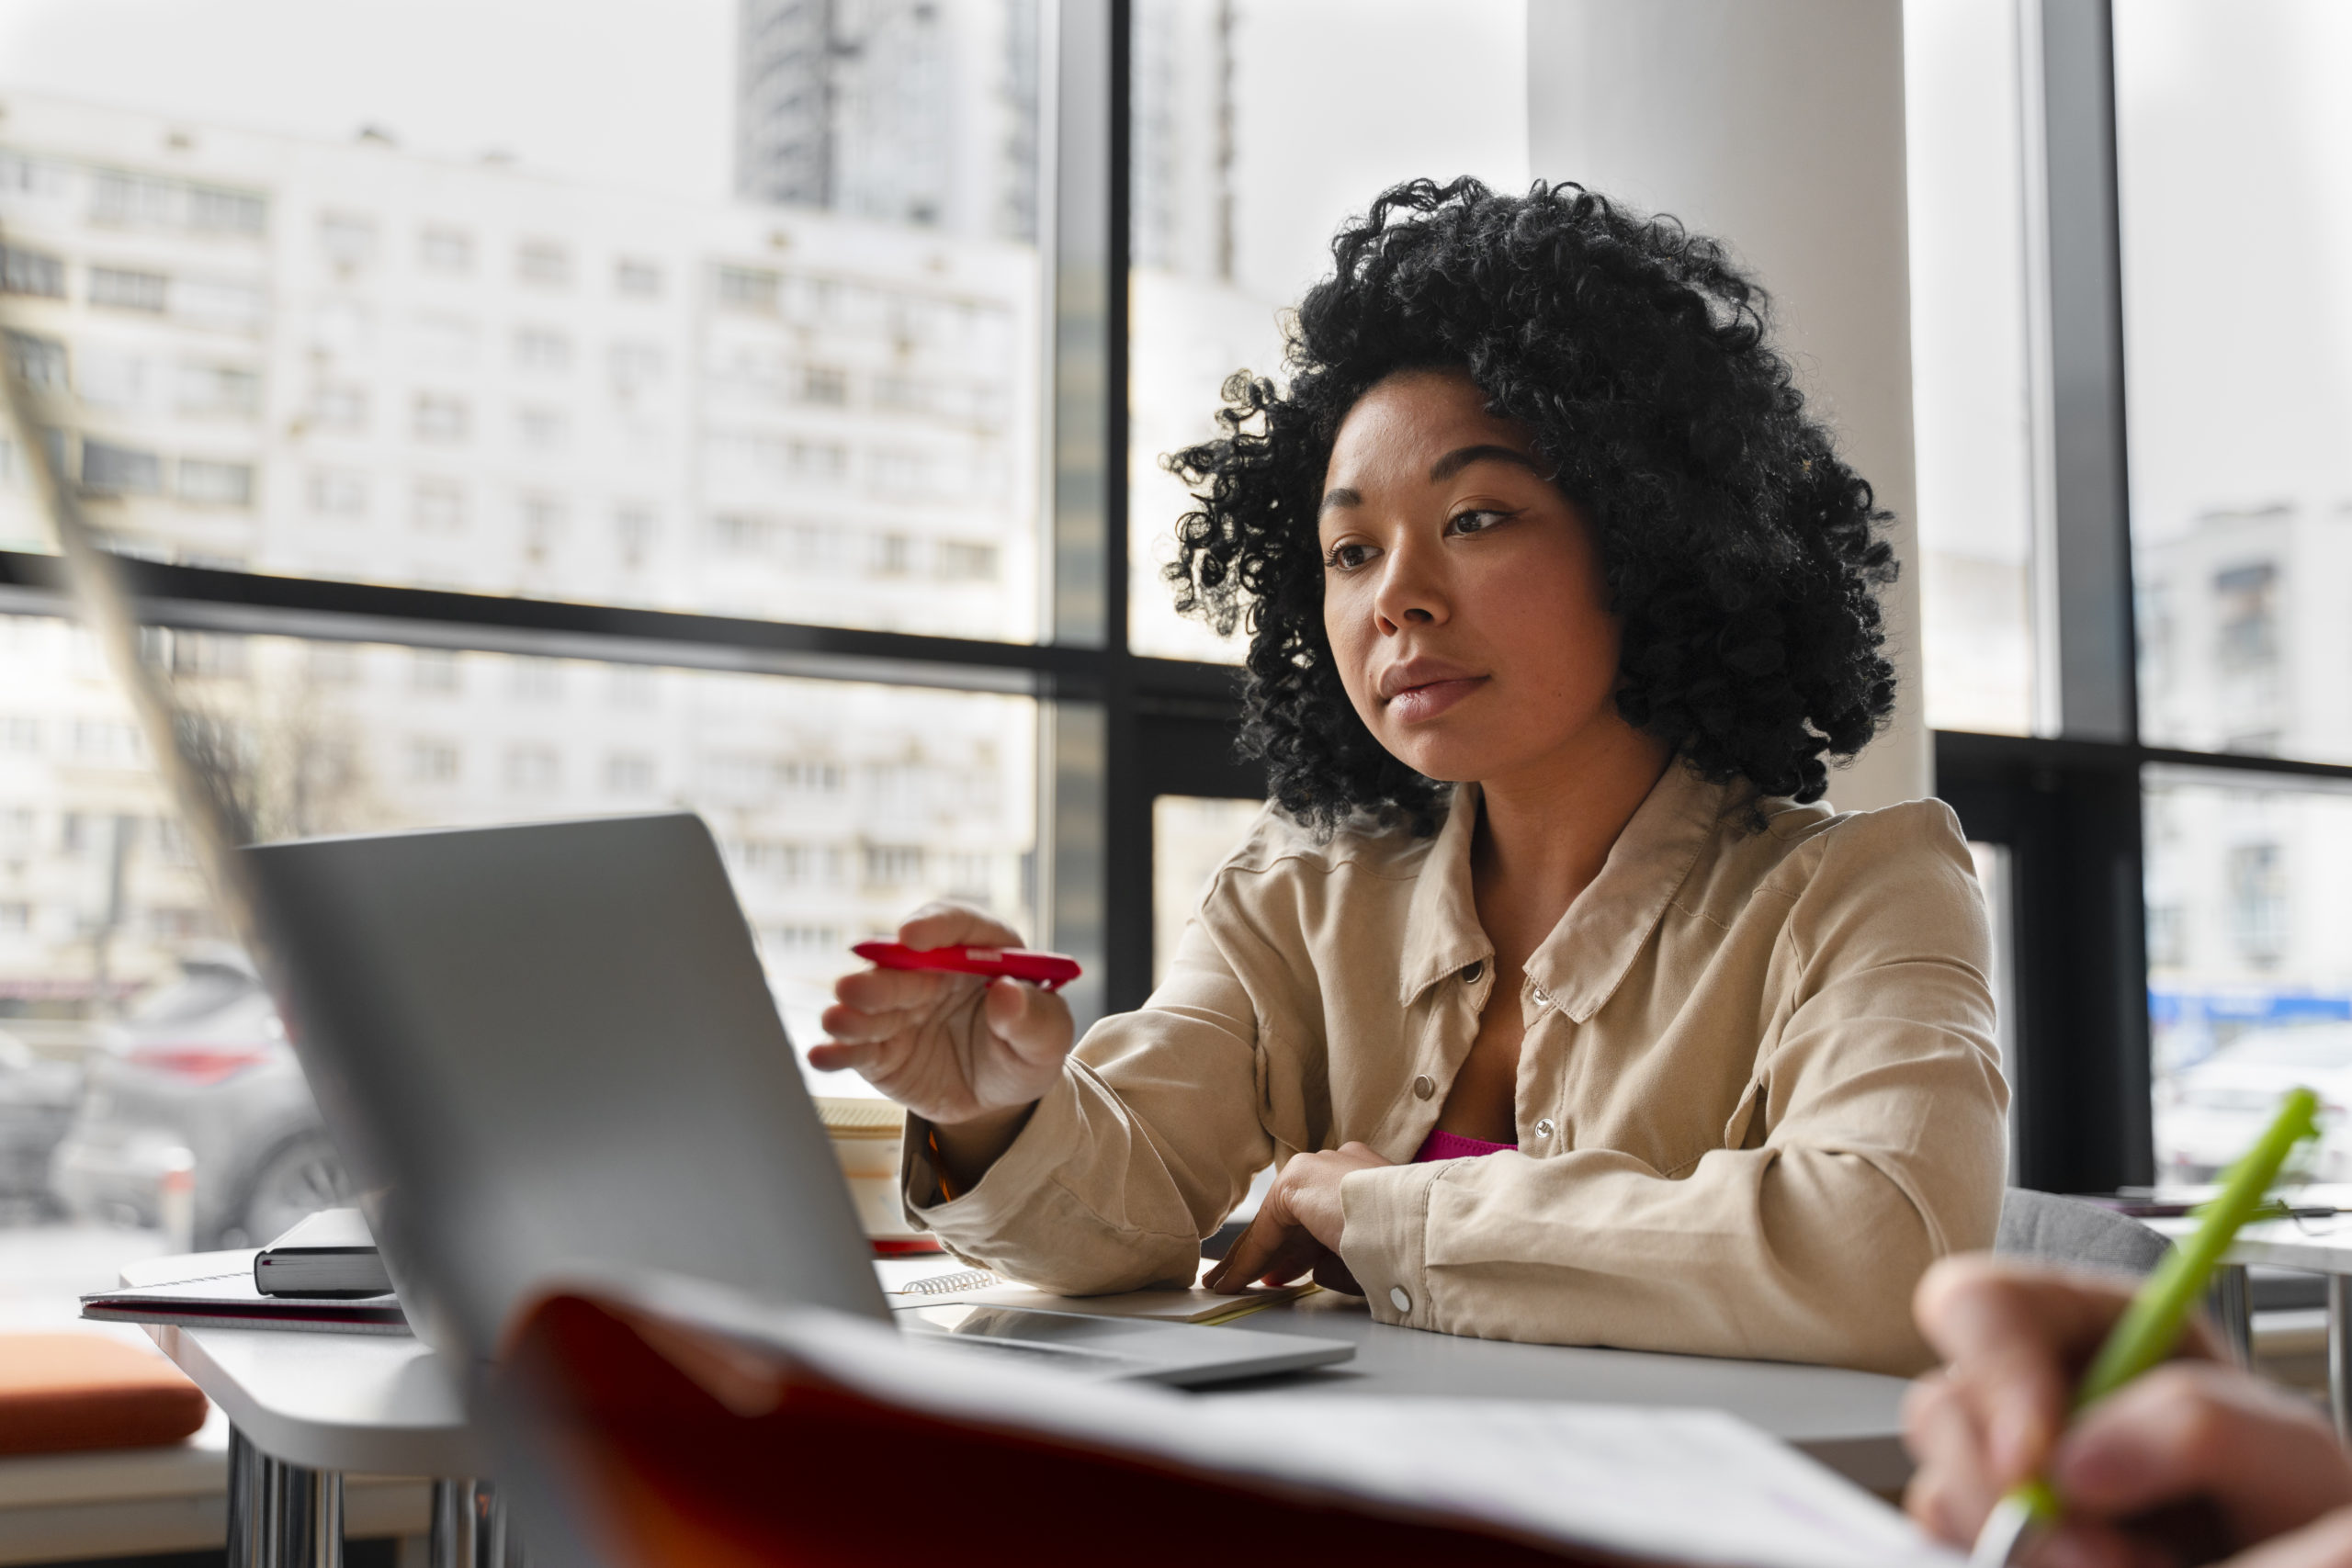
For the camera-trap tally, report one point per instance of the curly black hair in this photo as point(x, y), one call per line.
point(1742, 555)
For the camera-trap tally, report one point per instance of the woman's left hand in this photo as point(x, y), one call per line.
point(1298, 1226)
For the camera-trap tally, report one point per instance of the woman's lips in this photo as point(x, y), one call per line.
point(1416, 704)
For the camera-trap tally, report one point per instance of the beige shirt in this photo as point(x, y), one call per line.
point(1758, 1092)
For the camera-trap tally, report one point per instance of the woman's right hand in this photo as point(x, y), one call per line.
point(957, 1050)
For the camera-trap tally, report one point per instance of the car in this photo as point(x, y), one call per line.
point(37, 1096)
point(201, 1067)
point(2210, 1114)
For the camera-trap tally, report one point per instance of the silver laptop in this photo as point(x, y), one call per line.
point(548, 1049)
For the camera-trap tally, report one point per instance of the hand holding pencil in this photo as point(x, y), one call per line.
point(2190, 1463)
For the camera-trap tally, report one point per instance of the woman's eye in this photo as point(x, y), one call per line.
point(1346, 558)
point(1472, 521)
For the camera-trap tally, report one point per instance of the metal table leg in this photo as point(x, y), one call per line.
point(2339, 1353)
point(281, 1514)
point(469, 1526)
point(2233, 1306)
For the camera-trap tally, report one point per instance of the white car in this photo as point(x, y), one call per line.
point(2209, 1114)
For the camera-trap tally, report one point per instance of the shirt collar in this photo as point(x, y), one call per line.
point(1580, 964)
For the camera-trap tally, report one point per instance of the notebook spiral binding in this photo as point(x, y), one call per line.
point(950, 1284)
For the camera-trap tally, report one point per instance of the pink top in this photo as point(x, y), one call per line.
point(1443, 1144)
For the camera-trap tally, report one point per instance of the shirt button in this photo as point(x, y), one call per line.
point(1398, 1299)
point(1424, 1087)
point(1472, 970)
point(1543, 1128)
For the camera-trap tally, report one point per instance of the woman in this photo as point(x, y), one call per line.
point(1567, 1010)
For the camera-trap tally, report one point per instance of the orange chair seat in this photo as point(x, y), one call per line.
point(61, 1392)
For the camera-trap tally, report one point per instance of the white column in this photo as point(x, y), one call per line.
point(1777, 127)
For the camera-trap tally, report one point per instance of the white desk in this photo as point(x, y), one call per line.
point(307, 1407)
point(2313, 1247)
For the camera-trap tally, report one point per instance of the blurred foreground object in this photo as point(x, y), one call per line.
point(673, 1422)
point(63, 1392)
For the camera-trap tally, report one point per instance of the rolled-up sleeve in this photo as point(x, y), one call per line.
point(1868, 1143)
point(1147, 1141)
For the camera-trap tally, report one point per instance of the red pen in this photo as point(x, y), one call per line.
point(1051, 970)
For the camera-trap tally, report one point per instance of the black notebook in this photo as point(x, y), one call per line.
point(329, 1253)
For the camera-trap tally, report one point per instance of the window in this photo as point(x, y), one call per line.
point(433, 669)
point(206, 482)
point(542, 428)
point(39, 360)
point(543, 517)
point(121, 288)
point(747, 288)
point(636, 366)
point(124, 469)
point(629, 773)
point(211, 210)
point(826, 385)
point(634, 531)
point(444, 250)
point(637, 279)
point(347, 240)
point(223, 389)
point(532, 769)
point(338, 493)
point(339, 407)
point(438, 506)
point(31, 272)
point(543, 350)
point(440, 419)
point(545, 263)
point(432, 762)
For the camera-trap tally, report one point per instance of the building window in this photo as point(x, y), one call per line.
point(216, 484)
point(536, 679)
point(219, 390)
point(2247, 617)
point(31, 272)
point(635, 366)
point(444, 250)
point(531, 768)
point(338, 493)
point(218, 211)
point(634, 528)
point(2258, 887)
point(893, 865)
point(827, 385)
point(543, 429)
point(543, 521)
point(125, 470)
point(38, 361)
point(628, 772)
point(432, 762)
point(348, 239)
point(340, 408)
point(122, 288)
point(441, 418)
point(542, 349)
point(748, 289)
point(543, 262)
point(637, 279)
point(962, 562)
point(20, 732)
point(438, 506)
point(15, 919)
point(433, 669)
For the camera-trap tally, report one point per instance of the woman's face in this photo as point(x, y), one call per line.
point(1463, 594)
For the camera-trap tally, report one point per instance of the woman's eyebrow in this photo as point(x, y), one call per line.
point(1339, 496)
point(1453, 462)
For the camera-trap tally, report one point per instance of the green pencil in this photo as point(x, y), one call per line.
point(2151, 1326)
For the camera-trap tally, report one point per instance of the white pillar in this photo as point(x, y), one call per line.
point(1777, 127)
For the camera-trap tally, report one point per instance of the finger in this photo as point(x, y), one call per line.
point(2325, 1544)
point(1033, 1020)
point(954, 925)
point(2268, 1460)
point(1949, 1494)
point(894, 991)
point(1239, 1264)
point(2014, 1338)
point(834, 1057)
point(851, 1026)
point(1333, 1274)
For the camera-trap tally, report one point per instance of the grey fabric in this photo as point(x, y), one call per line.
point(2067, 1230)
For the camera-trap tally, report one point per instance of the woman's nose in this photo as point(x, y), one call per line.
point(1408, 593)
